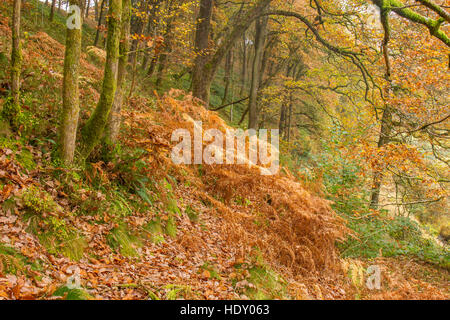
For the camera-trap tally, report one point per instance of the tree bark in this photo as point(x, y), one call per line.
point(71, 101)
point(201, 49)
point(228, 75)
point(284, 112)
point(96, 9)
point(386, 122)
point(137, 27)
point(82, 5)
point(92, 132)
point(153, 63)
point(166, 48)
point(282, 120)
point(237, 26)
point(260, 38)
point(99, 24)
point(164, 56)
point(52, 10)
point(112, 130)
point(88, 5)
point(16, 54)
point(244, 64)
point(12, 108)
point(404, 11)
point(151, 30)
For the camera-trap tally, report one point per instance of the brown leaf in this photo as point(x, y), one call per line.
point(16, 289)
point(206, 274)
point(6, 191)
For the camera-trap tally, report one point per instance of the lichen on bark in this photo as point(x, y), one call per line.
point(11, 108)
point(92, 132)
point(113, 126)
point(71, 101)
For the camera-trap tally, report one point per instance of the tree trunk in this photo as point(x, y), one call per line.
point(93, 130)
point(52, 10)
point(12, 109)
point(82, 5)
point(153, 63)
point(201, 49)
point(386, 129)
point(282, 120)
point(112, 130)
point(137, 27)
point(284, 110)
point(289, 118)
point(244, 64)
point(204, 76)
point(96, 9)
point(16, 54)
point(386, 120)
point(151, 30)
point(97, 34)
point(228, 75)
point(167, 49)
point(260, 39)
point(88, 6)
point(71, 101)
point(163, 60)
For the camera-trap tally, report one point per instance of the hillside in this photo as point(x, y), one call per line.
point(130, 224)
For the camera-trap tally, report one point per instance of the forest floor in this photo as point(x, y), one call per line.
point(137, 228)
point(199, 263)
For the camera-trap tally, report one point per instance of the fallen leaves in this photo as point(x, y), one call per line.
point(6, 192)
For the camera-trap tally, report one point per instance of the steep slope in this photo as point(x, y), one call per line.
point(135, 226)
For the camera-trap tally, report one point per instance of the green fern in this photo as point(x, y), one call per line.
point(121, 239)
point(72, 294)
point(11, 262)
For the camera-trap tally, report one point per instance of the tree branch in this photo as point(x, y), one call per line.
point(432, 25)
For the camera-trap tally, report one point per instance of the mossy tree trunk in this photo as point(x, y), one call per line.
point(16, 54)
point(71, 96)
point(92, 132)
point(433, 25)
point(112, 130)
point(11, 109)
